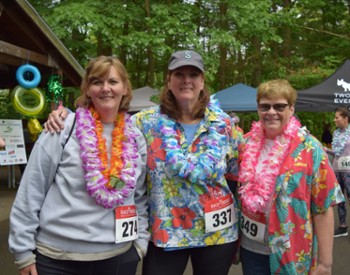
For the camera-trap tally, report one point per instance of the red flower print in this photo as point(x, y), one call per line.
point(160, 235)
point(183, 217)
point(155, 151)
point(194, 145)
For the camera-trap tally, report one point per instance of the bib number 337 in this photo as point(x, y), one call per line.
point(126, 223)
point(219, 214)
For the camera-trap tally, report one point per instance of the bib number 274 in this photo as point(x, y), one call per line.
point(126, 223)
point(129, 228)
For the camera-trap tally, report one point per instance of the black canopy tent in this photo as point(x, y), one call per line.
point(330, 94)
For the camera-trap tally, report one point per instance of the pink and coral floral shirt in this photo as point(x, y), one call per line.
point(306, 186)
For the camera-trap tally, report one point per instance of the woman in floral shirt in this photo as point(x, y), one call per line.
point(287, 191)
point(192, 153)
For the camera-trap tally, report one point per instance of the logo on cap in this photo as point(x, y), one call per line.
point(188, 54)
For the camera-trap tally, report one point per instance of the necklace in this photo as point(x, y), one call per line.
point(339, 144)
point(108, 184)
point(256, 189)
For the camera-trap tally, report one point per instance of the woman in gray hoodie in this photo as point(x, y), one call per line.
point(81, 207)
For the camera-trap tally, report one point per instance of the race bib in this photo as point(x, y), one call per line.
point(219, 214)
point(253, 225)
point(344, 163)
point(126, 223)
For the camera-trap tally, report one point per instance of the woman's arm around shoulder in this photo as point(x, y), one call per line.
point(55, 121)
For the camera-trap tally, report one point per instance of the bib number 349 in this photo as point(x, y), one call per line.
point(219, 214)
point(253, 225)
point(126, 223)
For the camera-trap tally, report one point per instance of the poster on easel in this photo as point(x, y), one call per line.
point(14, 152)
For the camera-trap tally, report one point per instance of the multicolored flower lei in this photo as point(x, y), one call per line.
point(339, 144)
point(108, 184)
point(256, 188)
point(193, 167)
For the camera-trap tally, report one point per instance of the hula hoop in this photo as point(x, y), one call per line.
point(28, 102)
point(25, 69)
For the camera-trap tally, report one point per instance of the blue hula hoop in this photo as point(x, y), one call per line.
point(28, 84)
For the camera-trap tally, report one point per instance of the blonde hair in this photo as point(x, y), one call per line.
point(278, 88)
point(100, 67)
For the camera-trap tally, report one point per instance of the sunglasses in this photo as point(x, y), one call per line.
point(279, 107)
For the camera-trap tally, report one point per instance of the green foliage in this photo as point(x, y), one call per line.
point(241, 41)
point(315, 122)
point(246, 120)
point(6, 109)
point(308, 77)
point(155, 99)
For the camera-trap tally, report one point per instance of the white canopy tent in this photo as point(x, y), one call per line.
point(141, 99)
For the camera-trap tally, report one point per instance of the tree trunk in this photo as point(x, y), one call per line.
point(150, 58)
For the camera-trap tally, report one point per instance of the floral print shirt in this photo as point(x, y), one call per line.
point(177, 203)
point(306, 186)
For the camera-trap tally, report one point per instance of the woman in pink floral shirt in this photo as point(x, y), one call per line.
point(287, 191)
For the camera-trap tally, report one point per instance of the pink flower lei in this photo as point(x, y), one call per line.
point(98, 186)
point(256, 189)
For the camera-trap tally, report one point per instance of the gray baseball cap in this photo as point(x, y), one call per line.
point(186, 58)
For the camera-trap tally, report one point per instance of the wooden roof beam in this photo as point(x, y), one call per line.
point(26, 55)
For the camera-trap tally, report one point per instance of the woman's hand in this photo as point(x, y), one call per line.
point(28, 270)
point(322, 270)
point(54, 123)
